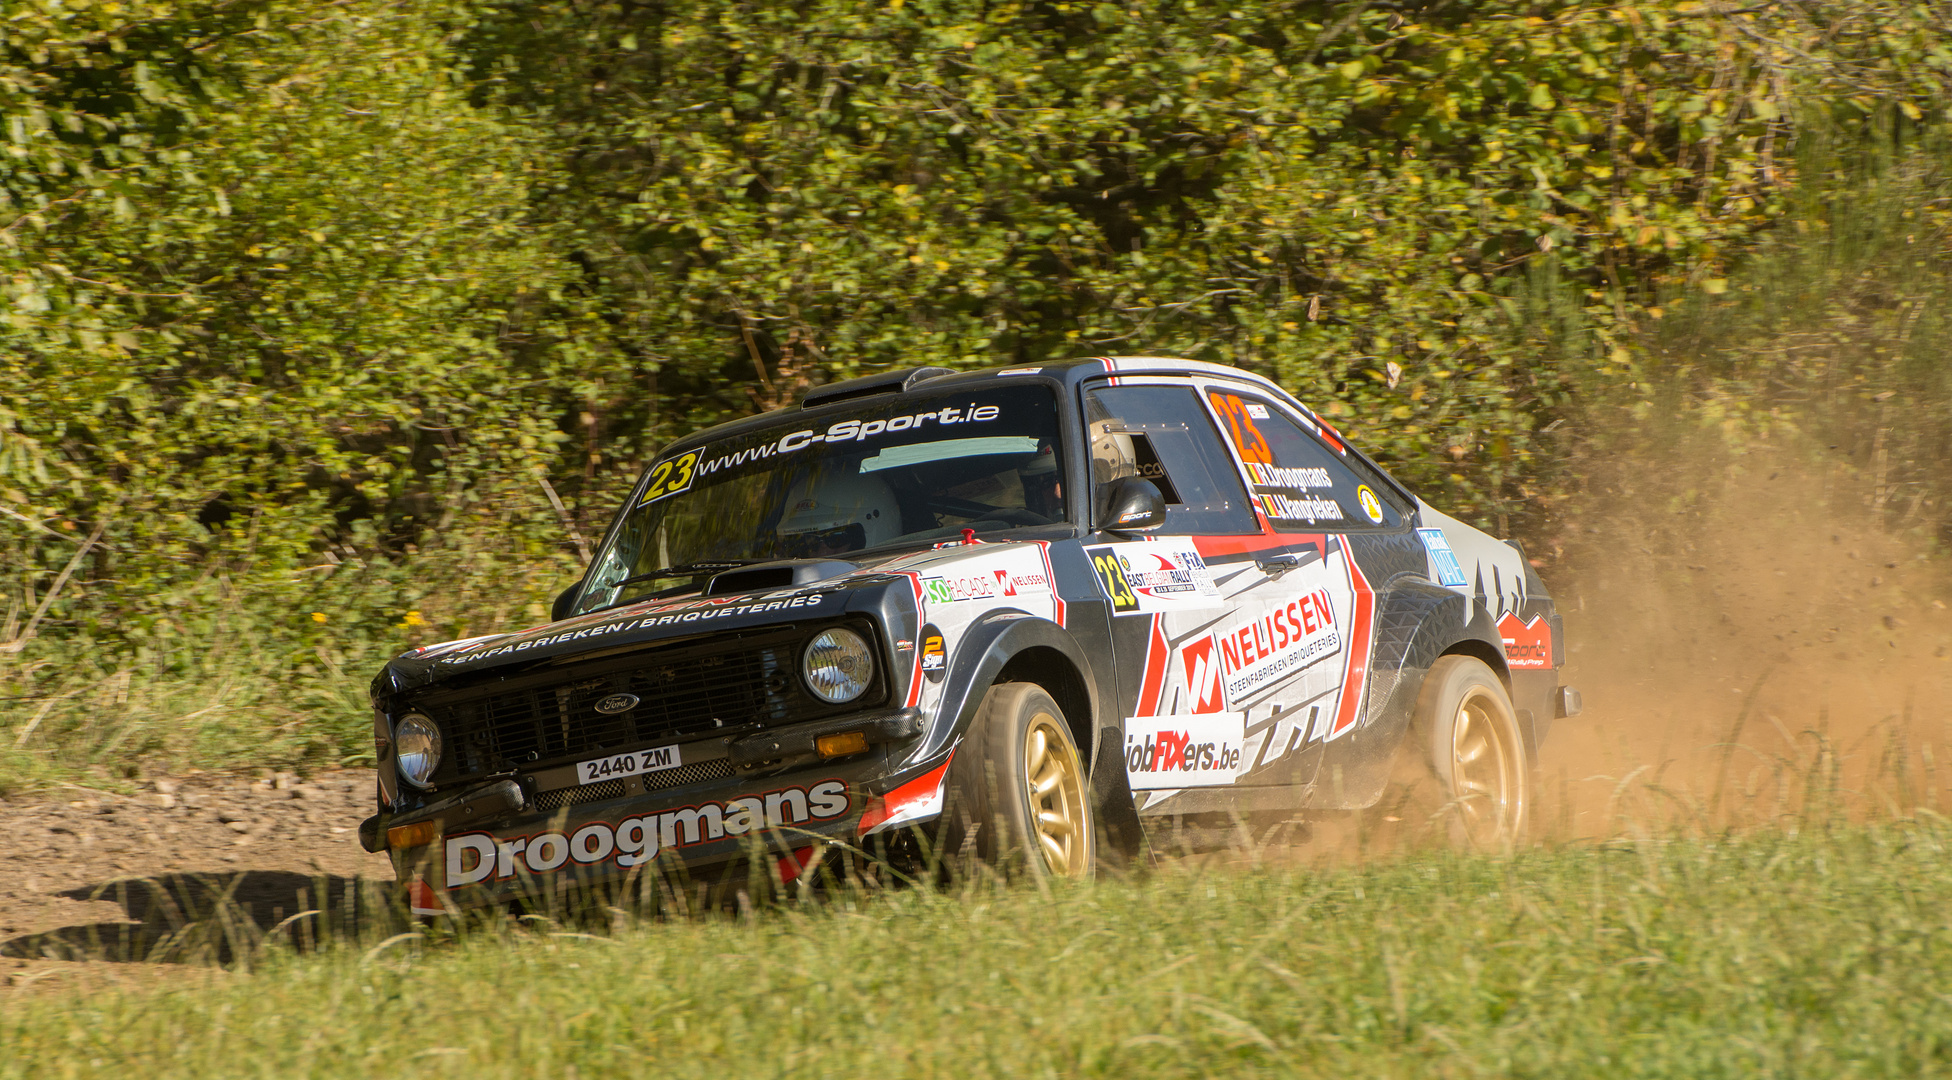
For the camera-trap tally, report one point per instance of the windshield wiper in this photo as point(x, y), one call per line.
point(681, 570)
point(690, 569)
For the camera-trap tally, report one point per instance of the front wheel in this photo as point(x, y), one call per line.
point(1472, 742)
point(1017, 789)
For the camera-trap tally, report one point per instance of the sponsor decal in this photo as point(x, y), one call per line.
point(636, 841)
point(1008, 583)
point(1169, 572)
point(950, 590)
point(935, 656)
point(1204, 676)
point(1527, 644)
point(1257, 410)
point(1372, 507)
point(1164, 752)
point(1282, 641)
point(711, 610)
point(1154, 577)
point(1442, 559)
point(671, 476)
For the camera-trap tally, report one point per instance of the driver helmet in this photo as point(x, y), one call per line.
point(838, 511)
point(1043, 490)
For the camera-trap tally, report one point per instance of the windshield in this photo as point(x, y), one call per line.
point(911, 470)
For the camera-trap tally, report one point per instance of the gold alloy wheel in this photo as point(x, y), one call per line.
point(1484, 770)
point(1059, 820)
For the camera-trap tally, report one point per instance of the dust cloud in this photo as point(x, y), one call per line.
point(1751, 643)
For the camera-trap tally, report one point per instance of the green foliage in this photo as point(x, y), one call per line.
point(1817, 953)
point(368, 309)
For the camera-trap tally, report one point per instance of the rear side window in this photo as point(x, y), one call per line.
point(1298, 482)
point(1162, 434)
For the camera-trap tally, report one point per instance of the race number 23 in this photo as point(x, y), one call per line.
point(672, 476)
point(1116, 586)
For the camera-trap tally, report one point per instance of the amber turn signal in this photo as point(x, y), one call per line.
point(414, 835)
point(847, 742)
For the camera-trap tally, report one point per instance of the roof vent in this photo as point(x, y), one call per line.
point(888, 382)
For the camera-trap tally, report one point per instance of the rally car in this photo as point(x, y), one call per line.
point(1024, 609)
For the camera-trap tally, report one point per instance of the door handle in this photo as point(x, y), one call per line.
point(1276, 565)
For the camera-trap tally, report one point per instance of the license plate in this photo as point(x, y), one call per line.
point(597, 770)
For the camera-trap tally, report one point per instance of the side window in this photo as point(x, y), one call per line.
point(1300, 484)
point(1162, 434)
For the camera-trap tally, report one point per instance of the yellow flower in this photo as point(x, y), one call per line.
point(318, 616)
point(413, 619)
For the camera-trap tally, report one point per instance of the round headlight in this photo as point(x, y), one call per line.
point(416, 749)
point(838, 665)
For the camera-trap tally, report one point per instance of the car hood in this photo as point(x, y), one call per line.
point(888, 586)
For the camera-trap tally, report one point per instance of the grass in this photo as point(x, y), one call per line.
point(1823, 952)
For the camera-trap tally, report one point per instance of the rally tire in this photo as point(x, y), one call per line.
point(1475, 752)
point(1017, 798)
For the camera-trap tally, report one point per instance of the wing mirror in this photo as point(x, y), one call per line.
point(1132, 505)
point(562, 608)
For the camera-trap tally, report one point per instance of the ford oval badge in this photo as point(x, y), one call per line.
point(617, 703)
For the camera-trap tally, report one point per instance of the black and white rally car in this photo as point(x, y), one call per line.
point(1033, 606)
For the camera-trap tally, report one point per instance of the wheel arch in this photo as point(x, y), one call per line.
point(1060, 678)
point(1480, 649)
point(1028, 649)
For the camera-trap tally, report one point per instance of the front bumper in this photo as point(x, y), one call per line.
point(537, 856)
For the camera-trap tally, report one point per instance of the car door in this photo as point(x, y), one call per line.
point(1169, 591)
point(1296, 664)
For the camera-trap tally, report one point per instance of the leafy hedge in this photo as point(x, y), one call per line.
point(337, 307)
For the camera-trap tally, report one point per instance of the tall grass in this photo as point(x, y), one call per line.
point(1820, 951)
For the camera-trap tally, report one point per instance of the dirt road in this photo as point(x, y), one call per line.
point(70, 879)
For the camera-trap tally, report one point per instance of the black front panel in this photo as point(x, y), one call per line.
point(728, 684)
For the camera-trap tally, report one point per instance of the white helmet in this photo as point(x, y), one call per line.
point(858, 511)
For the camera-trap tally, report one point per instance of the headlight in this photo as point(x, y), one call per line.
point(838, 665)
point(416, 748)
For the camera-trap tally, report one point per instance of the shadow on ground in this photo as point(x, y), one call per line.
point(216, 917)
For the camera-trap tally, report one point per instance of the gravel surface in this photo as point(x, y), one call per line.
point(74, 868)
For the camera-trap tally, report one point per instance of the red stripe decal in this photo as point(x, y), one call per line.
point(421, 898)
point(921, 617)
point(1214, 546)
point(925, 786)
point(1050, 576)
point(791, 865)
point(1354, 682)
point(1154, 680)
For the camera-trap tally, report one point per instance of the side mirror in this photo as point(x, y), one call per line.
point(1132, 505)
point(562, 609)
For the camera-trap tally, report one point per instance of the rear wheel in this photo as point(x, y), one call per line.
point(1017, 795)
point(1472, 742)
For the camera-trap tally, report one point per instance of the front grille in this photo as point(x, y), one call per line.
point(614, 789)
point(687, 774)
point(722, 685)
point(552, 800)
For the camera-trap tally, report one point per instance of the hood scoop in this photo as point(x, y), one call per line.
point(782, 574)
